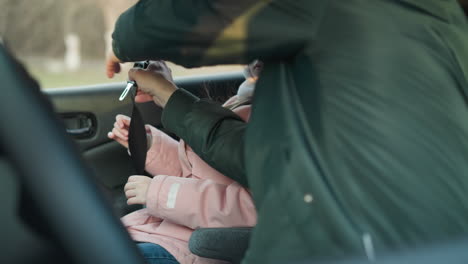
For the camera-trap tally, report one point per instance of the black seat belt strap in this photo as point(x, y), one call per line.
point(137, 142)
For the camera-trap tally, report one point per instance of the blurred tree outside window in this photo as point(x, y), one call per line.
point(64, 42)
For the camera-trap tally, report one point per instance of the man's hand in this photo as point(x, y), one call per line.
point(112, 64)
point(154, 83)
point(136, 189)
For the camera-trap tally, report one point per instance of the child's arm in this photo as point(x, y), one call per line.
point(200, 203)
point(163, 155)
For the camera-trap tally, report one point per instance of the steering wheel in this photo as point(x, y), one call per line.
point(54, 175)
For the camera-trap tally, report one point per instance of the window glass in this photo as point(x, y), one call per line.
point(64, 42)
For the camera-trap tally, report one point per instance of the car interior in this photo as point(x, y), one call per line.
point(64, 139)
point(62, 178)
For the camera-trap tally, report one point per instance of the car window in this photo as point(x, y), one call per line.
point(64, 42)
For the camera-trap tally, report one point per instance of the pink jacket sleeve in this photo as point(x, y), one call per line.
point(200, 202)
point(163, 156)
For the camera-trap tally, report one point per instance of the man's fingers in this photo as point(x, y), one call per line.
point(109, 71)
point(112, 67)
point(135, 73)
point(155, 66)
point(143, 98)
point(164, 66)
point(112, 64)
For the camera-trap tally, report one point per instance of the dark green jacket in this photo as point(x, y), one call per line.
point(358, 141)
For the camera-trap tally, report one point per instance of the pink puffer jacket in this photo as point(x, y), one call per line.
point(185, 194)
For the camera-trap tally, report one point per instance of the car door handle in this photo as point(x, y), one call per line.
point(79, 125)
point(79, 131)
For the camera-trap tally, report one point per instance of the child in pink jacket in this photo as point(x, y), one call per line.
point(185, 193)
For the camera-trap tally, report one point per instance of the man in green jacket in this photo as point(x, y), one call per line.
point(358, 141)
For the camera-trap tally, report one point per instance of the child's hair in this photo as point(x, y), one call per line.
point(218, 93)
point(246, 89)
point(243, 92)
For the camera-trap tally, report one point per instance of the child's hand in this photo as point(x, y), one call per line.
point(136, 189)
point(120, 131)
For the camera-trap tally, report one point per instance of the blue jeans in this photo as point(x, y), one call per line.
point(155, 254)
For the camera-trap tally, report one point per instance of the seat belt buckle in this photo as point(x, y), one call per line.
point(131, 84)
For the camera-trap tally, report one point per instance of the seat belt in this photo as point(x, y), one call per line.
point(137, 142)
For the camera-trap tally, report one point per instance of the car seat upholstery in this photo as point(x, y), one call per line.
point(228, 244)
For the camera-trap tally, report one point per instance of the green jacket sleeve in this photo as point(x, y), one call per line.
point(215, 133)
point(207, 32)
